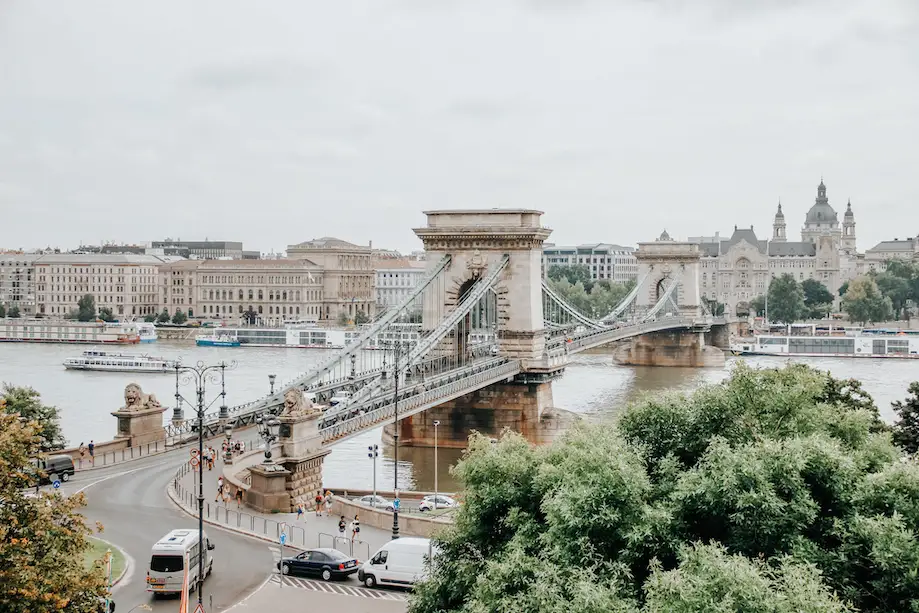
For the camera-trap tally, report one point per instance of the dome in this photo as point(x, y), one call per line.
point(849, 214)
point(664, 236)
point(821, 212)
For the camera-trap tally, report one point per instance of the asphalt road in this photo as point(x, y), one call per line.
point(131, 503)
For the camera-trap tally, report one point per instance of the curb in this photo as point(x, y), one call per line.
point(124, 571)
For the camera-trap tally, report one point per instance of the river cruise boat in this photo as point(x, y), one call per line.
point(146, 331)
point(119, 362)
point(822, 341)
point(61, 331)
point(306, 336)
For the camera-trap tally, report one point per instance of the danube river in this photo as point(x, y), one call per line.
point(592, 386)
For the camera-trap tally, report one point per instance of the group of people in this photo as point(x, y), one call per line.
point(223, 493)
point(236, 447)
point(321, 501)
point(92, 451)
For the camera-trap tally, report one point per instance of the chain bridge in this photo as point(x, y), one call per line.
point(485, 332)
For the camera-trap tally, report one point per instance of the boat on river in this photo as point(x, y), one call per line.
point(119, 362)
point(66, 331)
point(306, 335)
point(807, 340)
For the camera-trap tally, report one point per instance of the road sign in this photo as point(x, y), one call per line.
point(199, 608)
point(194, 452)
point(283, 538)
point(194, 461)
point(395, 503)
point(56, 484)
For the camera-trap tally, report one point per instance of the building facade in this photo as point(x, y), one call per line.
point(276, 291)
point(395, 280)
point(201, 250)
point(737, 270)
point(605, 261)
point(347, 273)
point(17, 282)
point(876, 258)
point(126, 284)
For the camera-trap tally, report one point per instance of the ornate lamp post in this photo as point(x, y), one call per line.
point(271, 379)
point(200, 374)
point(268, 429)
point(228, 432)
point(436, 424)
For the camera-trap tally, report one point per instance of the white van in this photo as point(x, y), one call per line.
point(167, 561)
point(399, 562)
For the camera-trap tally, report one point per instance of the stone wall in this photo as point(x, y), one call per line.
point(409, 524)
point(671, 348)
point(305, 478)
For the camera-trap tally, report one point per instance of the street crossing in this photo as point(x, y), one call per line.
point(345, 588)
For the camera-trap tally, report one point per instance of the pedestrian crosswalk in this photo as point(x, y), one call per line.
point(345, 588)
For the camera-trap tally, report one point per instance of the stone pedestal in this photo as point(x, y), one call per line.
point(302, 455)
point(268, 491)
point(670, 349)
point(140, 426)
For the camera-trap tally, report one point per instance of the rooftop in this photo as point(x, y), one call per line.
point(327, 242)
point(103, 258)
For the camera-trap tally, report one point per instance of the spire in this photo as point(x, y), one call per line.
point(779, 214)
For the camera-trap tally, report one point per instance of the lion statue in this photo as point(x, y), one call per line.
point(136, 400)
point(296, 404)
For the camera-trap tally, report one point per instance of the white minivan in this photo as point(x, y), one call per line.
point(167, 561)
point(399, 562)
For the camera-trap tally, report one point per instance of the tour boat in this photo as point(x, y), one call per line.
point(845, 343)
point(146, 331)
point(65, 331)
point(221, 339)
point(306, 335)
point(119, 362)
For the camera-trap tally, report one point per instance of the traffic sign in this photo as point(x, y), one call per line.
point(194, 461)
point(194, 452)
point(56, 484)
point(283, 538)
point(395, 503)
point(199, 608)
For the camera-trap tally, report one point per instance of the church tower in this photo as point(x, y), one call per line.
point(847, 244)
point(778, 226)
point(821, 219)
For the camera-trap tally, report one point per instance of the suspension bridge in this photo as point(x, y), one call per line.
point(487, 319)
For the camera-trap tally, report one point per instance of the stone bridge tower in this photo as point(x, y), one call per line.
point(664, 261)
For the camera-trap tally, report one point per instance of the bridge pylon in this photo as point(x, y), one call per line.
point(665, 262)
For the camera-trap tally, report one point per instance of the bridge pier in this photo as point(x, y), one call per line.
point(670, 348)
point(519, 406)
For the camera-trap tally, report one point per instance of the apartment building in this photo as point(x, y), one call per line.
point(396, 278)
point(605, 261)
point(17, 281)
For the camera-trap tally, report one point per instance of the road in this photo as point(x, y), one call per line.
point(131, 503)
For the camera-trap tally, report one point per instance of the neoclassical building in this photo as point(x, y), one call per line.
point(736, 270)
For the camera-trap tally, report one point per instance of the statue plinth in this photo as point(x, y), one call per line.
point(140, 420)
point(267, 492)
point(303, 455)
point(299, 434)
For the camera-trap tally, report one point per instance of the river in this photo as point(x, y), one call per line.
point(592, 386)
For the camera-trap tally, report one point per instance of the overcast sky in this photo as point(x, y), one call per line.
point(276, 122)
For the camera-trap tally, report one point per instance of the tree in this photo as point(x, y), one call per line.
point(180, 317)
point(863, 302)
point(770, 492)
point(843, 289)
point(716, 308)
point(151, 318)
point(105, 314)
point(343, 319)
point(573, 274)
point(758, 306)
point(42, 539)
point(897, 289)
point(163, 317)
point(361, 318)
point(13, 312)
point(906, 428)
point(26, 402)
point(86, 308)
point(818, 300)
point(786, 300)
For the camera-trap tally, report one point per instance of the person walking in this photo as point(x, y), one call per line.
point(299, 510)
point(239, 497)
point(342, 524)
point(92, 452)
point(319, 503)
point(219, 489)
point(355, 528)
point(328, 502)
point(82, 450)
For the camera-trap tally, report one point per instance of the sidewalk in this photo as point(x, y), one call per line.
point(309, 532)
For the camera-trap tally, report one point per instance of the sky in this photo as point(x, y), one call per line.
point(278, 122)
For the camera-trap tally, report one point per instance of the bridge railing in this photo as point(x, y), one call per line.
point(593, 338)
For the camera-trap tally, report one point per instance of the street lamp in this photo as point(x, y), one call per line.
point(268, 429)
point(373, 453)
point(200, 374)
point(271, 379)
point(228, 432)
point(397, 346)
point(436, 423)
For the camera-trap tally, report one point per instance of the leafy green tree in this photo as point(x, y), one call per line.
point(13, 312)
point(26, 402)
point(864, 302)
point(343, 319)
point(361, 318)
point(180, 317)
point(758, 306)
point(43, 539)
point(150, 318)
point(573, 274)
point(86, 308)
point(906, 428)
point(897, 289)
point(843, 289)
point(786, 300)
point(105, 314)
point(818, 300)
point(771, 492)
point(163, 317)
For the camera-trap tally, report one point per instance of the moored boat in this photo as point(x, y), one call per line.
point(119, 362)
point(65, 331)
point(221, 339)
point(853, 343)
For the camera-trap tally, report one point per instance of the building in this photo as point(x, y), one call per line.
point(736, 270)
point(17, 281)
point(347, 272)
point(201, 250)
point(605, 261)
point(395, 280)
point(276, 291)
point(876, 258)
point(127, 284)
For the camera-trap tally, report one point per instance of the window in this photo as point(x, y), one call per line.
point(166, 564)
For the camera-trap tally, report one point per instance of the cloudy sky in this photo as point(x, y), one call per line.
point(276, 122)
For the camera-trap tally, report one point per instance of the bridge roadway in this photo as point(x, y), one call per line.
point(130, 501)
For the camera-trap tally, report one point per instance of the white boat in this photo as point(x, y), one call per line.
point(65, 331)
point(119, 362)
point(850, 343)
point(306, 335)
point(146, 331)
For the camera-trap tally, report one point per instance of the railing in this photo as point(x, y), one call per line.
point(109, 458)
point(599, 337)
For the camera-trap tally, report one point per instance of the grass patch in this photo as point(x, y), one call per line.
point(97, 551)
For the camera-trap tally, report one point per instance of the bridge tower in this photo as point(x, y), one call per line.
point(477, 239)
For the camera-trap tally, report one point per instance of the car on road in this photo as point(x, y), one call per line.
point(49, 470)
point(377, 502)
point(326, 563)
point(429, 503)
point(402, 562)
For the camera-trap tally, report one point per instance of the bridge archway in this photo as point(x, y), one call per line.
point(664, 261)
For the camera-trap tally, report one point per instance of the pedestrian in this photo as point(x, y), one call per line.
point(328, 502)
point(318, 503)
point(92, 452)
point(219, 489)
point(299, 510)
point(239, 497)
point(355, 528)
point(210, 458)
point(341, 526)
point(82, 450)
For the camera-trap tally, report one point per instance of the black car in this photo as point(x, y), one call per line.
point(327, 563)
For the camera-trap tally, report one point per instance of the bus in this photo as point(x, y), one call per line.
point(166, 572)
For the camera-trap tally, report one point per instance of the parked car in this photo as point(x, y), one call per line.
point(429, 503)
point(327, 563)
point(377, 502)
